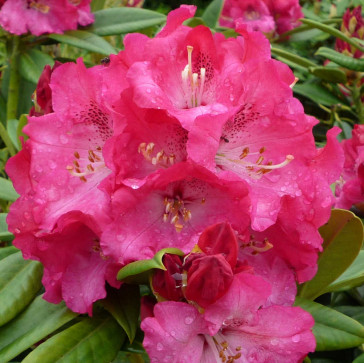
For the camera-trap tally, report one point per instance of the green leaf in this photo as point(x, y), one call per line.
point(359, 359)
point(7, 251)
point(5, 235)
point(124, 306)
point(341, 59)
point(39, 320)
point(143, 266)
point(20, 280)
point(7, 191)
point(330, 74)
point(32, 63)
point(292, 57)
point(12, 128)
point(317, 94)
point(343, 238)
point(332, 330)
point(84, 40)
point(95, 340)
point(212, 13)
point(124, 20)
point(333, 31)
point(352, 277)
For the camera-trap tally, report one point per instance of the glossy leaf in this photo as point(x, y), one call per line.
point(5, 235)
point(84, 40)
point(359, 359)
point(95, 340)
point(40, 319)
point(333, 31)
point(12, 127)
point(124, 306)
point(343, 237)
point(332, 330)
point(20, 280)
point(352, 277)
point(303, 62)
point(341, 59)
point(7, 191)
point(32, 63)
point(7, 251)
point(317, 93)
point(140, 267)
point(124, 20)
point(212, 13)
point(330, 74)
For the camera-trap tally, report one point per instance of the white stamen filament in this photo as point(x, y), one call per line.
point(193, 83)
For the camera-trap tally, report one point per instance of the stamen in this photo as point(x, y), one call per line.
point(39, 7)
point(161, 158)
point(91, 163)
point(174, 212)
point(255, 169)
point(256, 246)
point(192, 83)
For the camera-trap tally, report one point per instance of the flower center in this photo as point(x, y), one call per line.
point(87, 164)
point(254, 246)
point(251, 15)
point(222, 350)
point(39, 6)
point(160, 158)
point(193, 83)
point(176, 213)
point(237, 158)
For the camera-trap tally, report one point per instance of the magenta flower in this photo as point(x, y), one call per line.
point(353, 26)
point(268, 16)
point(350, 188)
point(205, 78)
point(44, 16)
point(57, 174)
point(75, 269)
point(171, 211)
point(234, 329)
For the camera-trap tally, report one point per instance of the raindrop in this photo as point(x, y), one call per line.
point(296, 338)
point(274, 342)
point(27, 215)
point(188, 320)
point(149, 90)
point(63, 139)
point(52, 164)
point(160, 346)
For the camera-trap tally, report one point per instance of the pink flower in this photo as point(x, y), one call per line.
point(234, 329)
point(204, 77)
point(350, 189)
point(353, 26)
point(268, 16)
point(171, 211)
point(42, 96)
point(75, 269)
point(44, 16)
point(57, 174)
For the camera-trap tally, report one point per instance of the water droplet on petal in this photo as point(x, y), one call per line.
point(160, 346)
point(274, 342)
point(63, 139)
point(188, 320)
point(52, 164)
point(296, 338)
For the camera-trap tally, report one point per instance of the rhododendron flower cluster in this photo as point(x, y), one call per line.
point(44, 16)
point(271, 17)
point(186, 140)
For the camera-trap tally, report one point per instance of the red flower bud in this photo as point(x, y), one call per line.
point(208, 279)
point(220, 238)
point(168, 284)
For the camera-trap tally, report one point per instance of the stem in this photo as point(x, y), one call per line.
point(355, 91)
point(13, 91)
